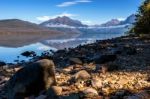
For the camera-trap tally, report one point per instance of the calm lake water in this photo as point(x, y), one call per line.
point(10, 54)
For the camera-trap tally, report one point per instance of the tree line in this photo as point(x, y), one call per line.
point(142, 24)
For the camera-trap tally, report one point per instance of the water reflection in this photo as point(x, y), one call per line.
point(10, 54)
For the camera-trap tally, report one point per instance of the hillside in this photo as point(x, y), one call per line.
point(22, 32)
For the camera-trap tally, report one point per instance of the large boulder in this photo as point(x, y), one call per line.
point(31, 80)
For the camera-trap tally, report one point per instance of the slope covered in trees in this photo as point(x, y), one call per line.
point(142, 25)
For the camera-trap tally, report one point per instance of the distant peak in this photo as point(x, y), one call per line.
point(11, 20)
point(63, 21)
point(132, 14)
point(62, 17)
point(114, 20)
point(65, 17)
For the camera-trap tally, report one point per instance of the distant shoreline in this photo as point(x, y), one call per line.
point(23, 39)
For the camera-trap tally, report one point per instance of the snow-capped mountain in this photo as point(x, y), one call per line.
point(129, 20)
point(112, 22)
point(64, 21)
point(115, 22)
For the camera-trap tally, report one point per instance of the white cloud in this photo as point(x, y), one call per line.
point(66, 4)
point(121, 19)
point(88, 22)
point(45, 18)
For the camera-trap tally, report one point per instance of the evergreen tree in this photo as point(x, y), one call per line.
point(142, 25)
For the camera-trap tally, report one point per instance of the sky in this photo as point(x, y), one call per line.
point(87, 11)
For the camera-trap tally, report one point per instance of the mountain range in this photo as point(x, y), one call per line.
point(56, 26)
point(16, 25)
point(67, 22)
point(115, 22)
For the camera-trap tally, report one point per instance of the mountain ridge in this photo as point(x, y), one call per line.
point(115, 22)
point(129, 20)
point(67, 22)
point(23, 33)
point(62, 22)
point(112, 22)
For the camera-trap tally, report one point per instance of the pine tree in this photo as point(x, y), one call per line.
point(142, 25)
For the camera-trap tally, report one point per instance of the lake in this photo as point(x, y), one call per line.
point(9, 54)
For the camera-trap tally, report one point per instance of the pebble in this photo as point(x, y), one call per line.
point(82, 75)
point(57, 90)
point(41, 97)
point(96, 83)
point(90, 91)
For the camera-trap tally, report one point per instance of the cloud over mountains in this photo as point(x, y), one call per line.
point(45, 18)
point(70, 3)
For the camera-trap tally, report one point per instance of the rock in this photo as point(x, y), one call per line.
point(31, 79)
point(75, 61)
point(67, 70)
point(104, 68)
point(148, 79)
point(82, 75)
point(30, 97)
point(89, 93)
point(117, 50)
point(2, 63)
point(109, 67)
point(105, 58)
point(41, 97)
point(122, 81)
point(55, 90)
point(121, 93)
point(106, 91)
point(131, 97)
point(71, 96)
point(113, 66)
point(97, 68)
point(140, 95)
point(129, 50)
point(17, 69)
point(96, 83)
point(28, 54)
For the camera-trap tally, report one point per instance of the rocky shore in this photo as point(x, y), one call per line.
point(117, 68)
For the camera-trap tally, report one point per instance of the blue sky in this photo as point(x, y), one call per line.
point(88, 11)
